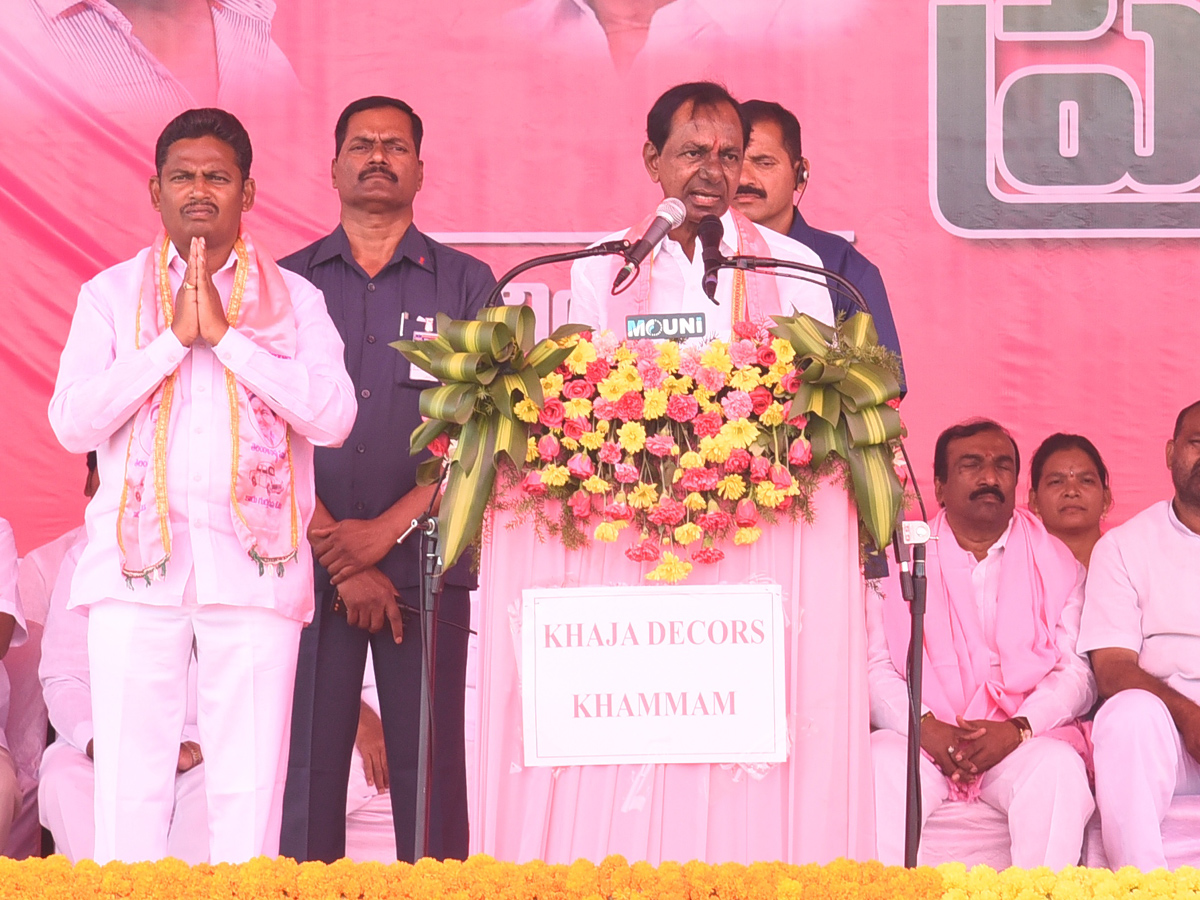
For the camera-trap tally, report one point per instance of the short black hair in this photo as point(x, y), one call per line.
point(1183, 414)
point(206, 122)
point(1061, 441)
point(969, 428)
point(701, 94)
point(756, 111)
point(376, 102)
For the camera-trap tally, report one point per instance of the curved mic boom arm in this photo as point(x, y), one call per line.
point(608, 248)
point(833, 279)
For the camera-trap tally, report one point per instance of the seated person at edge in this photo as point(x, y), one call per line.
point(774, 178)
point(12, 633)
point(695, 138)
point(1141, 625)
point(1002, 682)
point(1068, 491)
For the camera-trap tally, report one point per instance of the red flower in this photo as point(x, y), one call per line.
point(610, 453)
point(781, 477)
point(715, 522)
point(660, 444)
point(791, 382)
point(708, 555)
point(630, 406)
point(578, 389)
point(760, 469)
point(604, 409)
point(800, 453)
point(746, 515)
point(761, 398)
point(552, 413)
point(668, 512)
point(440, 445)
point(645, 550)
point(619, 511)
point(700, 479)
point(682, 407)
point(767, 356)
point(548, 448)
point(574, 428)
point(581, 504)
point(597, 371)
point(533, 486)
point(580, 465)
point(745, 329)
point(707, 424)
point(625, 473)
point(785, 504)
point(894, 403)
point(739, 460)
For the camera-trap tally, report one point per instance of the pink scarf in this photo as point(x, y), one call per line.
point(1037, 576)
point(261, 480)
point(754, 297)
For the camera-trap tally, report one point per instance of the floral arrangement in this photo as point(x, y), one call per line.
point(483, 878)
point(689, 446)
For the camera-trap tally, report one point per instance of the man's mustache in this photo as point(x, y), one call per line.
point(985, 490)
point(376, 170)
point(752, 191)
point(200, 204)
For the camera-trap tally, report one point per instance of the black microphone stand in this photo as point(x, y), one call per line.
point(913, 584)
point(608, 248)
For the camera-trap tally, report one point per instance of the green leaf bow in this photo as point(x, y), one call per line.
point(481, 363)
point(846, 381)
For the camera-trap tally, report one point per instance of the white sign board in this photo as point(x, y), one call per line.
point(653, 675)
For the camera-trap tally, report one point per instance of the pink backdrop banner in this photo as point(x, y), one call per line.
point(1024, 175)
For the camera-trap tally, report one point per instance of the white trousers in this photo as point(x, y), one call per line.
point(10, 794)
point(245, 674)
point(1041, 786)
point(66, 806)
point(1140, 765)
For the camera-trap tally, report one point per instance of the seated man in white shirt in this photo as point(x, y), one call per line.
point(1002, 682)
point(696, 136)
point(12, 633)
point(1141, 625)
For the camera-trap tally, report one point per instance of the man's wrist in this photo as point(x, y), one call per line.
point(1024, 731)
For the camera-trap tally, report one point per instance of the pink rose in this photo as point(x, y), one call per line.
point(630, 406)
point(710, 379)
point(580, 465)
point(781, 477)
point(760, 469)
point(652, 375)
point(715, 522)
point(625, 473)
point(737, 405)
point(746, 515)
point(743, 352)
point(604, 409)
point(548, 448)
point(578, 389)
point(800, 453)
point(707, 424)
point(574, 428)
point(767, 356)
point(581, 504)
point(660, 444)
point(700, 479)
point(552, 413)
point(682, 407)
point(708, 555)
point(668, 512)
point(610, 453)
point(619, 511)
point(440, 445)
point(790, 383)
point(597, 371)
point(761, 398)
point(532, 485)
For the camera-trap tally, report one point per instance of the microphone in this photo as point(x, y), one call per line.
point(710, 231)
point(669, 215)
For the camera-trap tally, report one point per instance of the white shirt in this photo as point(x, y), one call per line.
point(10, 603)
point(675, 283)
point(103, 381)
point(1066, 692)
point(1143, 594)
point(39, 569)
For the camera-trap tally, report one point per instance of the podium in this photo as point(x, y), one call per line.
point(816, 807)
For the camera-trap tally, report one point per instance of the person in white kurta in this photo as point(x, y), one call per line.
point(240, 607)
point(66, 785)
point(12, 633)
point(1141, 625)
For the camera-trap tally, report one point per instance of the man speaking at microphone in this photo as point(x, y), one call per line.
point(696, 136)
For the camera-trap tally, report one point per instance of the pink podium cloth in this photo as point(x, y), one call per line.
point(814, 808)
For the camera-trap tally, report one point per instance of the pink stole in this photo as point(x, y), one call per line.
point(262, 491)
point(756, 296)
point(1037, 576)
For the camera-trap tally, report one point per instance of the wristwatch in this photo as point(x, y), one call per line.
point(1023, 728)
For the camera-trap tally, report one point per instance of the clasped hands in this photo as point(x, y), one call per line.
point(965, 751)
point(350, 550)
point(198, 309)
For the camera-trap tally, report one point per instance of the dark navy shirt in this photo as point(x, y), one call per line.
point(373, 468)
point(838, 255)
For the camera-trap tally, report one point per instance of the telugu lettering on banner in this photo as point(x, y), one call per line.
point(653, 675)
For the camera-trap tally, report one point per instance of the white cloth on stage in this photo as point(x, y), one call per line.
point(676, 283)
point(370, 835)
point(1143, 595)
point(245, 627)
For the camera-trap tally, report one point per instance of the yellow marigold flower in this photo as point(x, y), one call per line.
point(580, 406)
point(716, 356)
point(655, 405)
point(744, 379)
point(623, 354)
point(570, 443)
point(766, 494)
point(555, 476)
point(526, 410)
point(552, 384)
point(531, 450)
point(716, 448)
point(747, 535)
point(672, 569)
point(772, 415)
point(731, 487)
point(702, 395)
point(780, 369)
point(591, 440)
point(619, 382)
point(740, 432)
point(688, 533)
point(583, 354)
point(678, 475)
point(631, 436)
point(607, 532)
point(668, 356)
point(691, 460)
point(602, 426)
point(597, 485)
point(695, 502)
point(643, 496)
point(784, 351)
point(680, 384)
point(770, 378)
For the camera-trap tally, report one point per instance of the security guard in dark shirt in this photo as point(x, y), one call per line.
point(382, 280)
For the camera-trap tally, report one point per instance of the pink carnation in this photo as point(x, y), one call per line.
point(760, 469)
point(610, 453)
point(652, 375)
point(581, 504)
point(767, 356)
point(660, 444)
point(746, 515)
point(761, 398)
point(710, 379)
point(580, 465)
point(643, 349)
point(743, 353)
point(619, 511)
point(552, 413)
point(625, 473)
point(574, 428)
point(532, 485)
point(578, 389)
point(737, 405)
point(700, 479)
point(644, 551)
point(739, 460)
point(606, 344)
point(548, 448)
point(708, 555)
point(604, 409)
point(689, 360)
point(630, 406)
point(800, 453)
point(682, 407)
point(747, 330)
point(715, 522)
point(597, 370)
point(668, 512)
point(707, 424)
